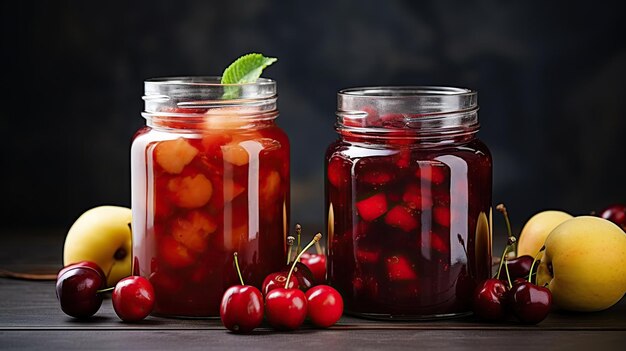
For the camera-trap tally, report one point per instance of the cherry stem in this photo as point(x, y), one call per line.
point(238, 270)
point(507, 248)
point(318, 248)
point(530, 274)
point(508, 276)
point(290, 240)
point(105, 290)
point(316, 238)
point(298, 233)
point(502, 209)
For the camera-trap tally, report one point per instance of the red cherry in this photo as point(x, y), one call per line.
point(77, 290)
point(530, 303)
point(303, 274)
point(242, 308)
point(83, 264)
point(324, 305)
point(489, 299)
point(277, 280)
point(285, 309)
point(133, 298)
point(519, 267)
point(316, 264)
point(616, 214)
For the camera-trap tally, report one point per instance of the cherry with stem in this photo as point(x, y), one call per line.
point(316, 238)
point(241, 309)
point(286, 309)
point(519, 267)
point(529, 303)
point(315, 263)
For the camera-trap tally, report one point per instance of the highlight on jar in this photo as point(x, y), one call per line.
point(210, 177)
point(408, 198)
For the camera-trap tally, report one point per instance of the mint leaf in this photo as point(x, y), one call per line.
point(246, 69)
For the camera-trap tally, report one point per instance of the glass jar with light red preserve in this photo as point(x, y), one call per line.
point(210, 177)
point(408, 197)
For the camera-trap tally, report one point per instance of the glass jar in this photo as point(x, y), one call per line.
point(408, 195)
point(210, 177)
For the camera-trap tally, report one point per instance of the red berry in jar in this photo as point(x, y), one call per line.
point(372, 207)
point(401, 217)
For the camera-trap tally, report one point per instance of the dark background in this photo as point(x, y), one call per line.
point(551, 81)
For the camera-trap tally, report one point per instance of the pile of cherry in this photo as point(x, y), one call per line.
point(511, 291)
point(80, 288)
point(288, 297)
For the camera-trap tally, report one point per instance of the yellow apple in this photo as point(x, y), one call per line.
point(536, 231)
point(102, 235)
point(585, 264)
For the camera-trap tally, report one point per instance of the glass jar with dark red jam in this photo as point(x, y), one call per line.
point(210, 177)
point(408, 197)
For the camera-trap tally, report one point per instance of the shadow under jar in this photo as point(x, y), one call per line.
point(408, 197)
point(210, 176)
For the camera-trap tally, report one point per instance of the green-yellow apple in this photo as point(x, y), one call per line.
point(585, 264)
point(536, 231)
point(102, 235)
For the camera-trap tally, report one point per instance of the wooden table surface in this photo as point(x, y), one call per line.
point(31, 318)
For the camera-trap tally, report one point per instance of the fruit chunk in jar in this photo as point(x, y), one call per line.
point(209, 195)
point(404, 224)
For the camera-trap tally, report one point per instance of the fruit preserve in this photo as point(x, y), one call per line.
point(408, 197)
point(210, 176)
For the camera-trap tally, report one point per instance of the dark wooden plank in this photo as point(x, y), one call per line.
point(308, 340)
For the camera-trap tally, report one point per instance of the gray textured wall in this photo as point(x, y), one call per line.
point(550, 80)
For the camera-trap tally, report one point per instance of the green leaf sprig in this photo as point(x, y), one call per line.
point(246, 69)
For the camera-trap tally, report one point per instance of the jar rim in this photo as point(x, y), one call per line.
point(423, 111)
point(201, 95)
point(208, 81)
point(408, 90)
